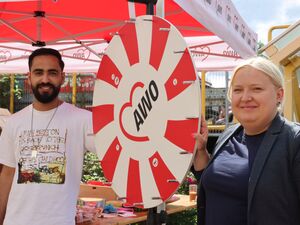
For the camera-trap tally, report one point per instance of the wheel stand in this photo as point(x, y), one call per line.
point(157, 215)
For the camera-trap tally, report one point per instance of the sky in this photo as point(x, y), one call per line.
point(260, 15)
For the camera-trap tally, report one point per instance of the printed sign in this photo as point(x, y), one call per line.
point(42, 156)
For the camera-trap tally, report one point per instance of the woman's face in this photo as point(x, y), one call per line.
point(254, 99)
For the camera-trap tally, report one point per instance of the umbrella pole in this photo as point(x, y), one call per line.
point(150, 8)
point(149, 3)
point(157, 215)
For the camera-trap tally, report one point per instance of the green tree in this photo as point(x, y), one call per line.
point(5, 90)
point(260, 45)
point(91, 168)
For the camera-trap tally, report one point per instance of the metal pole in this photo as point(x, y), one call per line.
point(150, 8)
point(161, 210)
point(203, 93)
point(226, 100)
point(74, 88)
point(275, 28)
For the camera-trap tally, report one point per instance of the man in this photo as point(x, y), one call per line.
point(42, 148)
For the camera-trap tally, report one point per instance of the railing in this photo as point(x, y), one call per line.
point(78, 90)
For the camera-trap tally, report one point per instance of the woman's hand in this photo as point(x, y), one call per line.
point(201, 138)
point(201, 157)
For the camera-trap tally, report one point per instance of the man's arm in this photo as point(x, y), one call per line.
point(6, 178)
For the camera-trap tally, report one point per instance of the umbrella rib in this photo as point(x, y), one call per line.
point(88, 32)
point(16, 30)
point(12, 40)
point(216, 54)
point(72, 36)
point(174, 12)
point(88, 42)
point(30, 14)
point(84, 18)
point(20, 19)
point(202, 29)
point(87, 46)
point(16, 12)
point(207, 44)
point(14, 48)
point(61, 16)
point(72, 57)
point(14, 59)
point(91, 50)
point(60, 28)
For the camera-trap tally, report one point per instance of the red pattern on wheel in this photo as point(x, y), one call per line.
point(175, 84)
point(129, 39)
point(134, 190)
point(164, 179)
point(109, 72)
point(110, 159)
point(107, 116)
point(179, 133)
point(158, 46)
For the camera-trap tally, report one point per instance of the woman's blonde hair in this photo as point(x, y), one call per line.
point(264, 65)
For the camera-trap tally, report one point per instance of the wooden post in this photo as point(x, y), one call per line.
point(12, 88)
point(291, 98)
point(74, 88)
point(203, 93)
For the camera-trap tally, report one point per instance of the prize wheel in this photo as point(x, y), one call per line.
point(146, 105)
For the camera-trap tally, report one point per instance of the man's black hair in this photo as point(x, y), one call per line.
point(46, 51)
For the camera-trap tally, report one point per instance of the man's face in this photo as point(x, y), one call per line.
point(45, 78)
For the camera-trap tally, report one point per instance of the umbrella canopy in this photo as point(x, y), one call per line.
point(68, 25)
point(50, 21)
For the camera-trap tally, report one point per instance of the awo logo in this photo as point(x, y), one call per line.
point(141, 110)
point(83, 54)
point(5, 55)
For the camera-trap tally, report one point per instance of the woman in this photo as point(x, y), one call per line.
point(253, 176)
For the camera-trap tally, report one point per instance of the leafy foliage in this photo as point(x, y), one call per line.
point(5, 90)
point(91, 168)
point(187, 217)
point(260, 46)
point(184, 187)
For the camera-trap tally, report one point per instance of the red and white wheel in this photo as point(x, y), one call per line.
point(146, 105)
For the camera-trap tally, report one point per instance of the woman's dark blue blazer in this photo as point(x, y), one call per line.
point(274, 183)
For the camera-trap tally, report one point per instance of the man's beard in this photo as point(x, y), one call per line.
point(45, 97)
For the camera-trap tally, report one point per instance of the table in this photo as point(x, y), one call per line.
point(180, 205)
